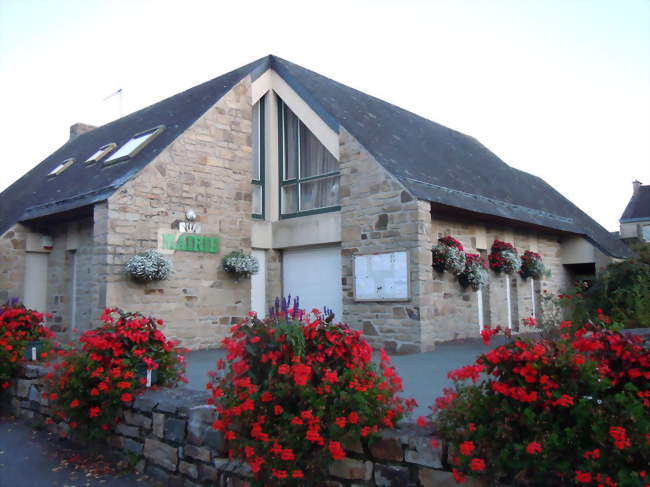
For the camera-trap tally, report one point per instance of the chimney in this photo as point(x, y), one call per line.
point(636, 185)
point(80, 128)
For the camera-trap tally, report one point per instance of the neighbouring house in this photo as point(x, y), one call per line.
point(635, 221)
point(339, 195)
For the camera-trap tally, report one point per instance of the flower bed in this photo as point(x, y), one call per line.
point(475, 274)
point(295, 390)
point(240, 264)
point(503, 258)
point(449, 255)
point(19, 327)
point(148, 266)
point(570, 411)
point(92, 381)
point(531, 266)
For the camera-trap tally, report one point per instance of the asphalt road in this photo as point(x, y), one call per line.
point(30, 458)
point(424, 375)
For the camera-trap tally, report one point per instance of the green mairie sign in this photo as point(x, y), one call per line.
point(190, 242)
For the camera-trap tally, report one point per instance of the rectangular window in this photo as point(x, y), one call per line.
point(257, 182)
point(61, 167)
point(310, 173)
point(101, 153)
point(136, 144)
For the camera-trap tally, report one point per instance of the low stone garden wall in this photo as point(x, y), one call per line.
point(168, 434)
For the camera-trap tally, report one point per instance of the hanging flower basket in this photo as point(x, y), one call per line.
point(449, 255)
point(148, 266)
point(475, 273)
point(503, 258)
point(240, 264)
point(532, 266)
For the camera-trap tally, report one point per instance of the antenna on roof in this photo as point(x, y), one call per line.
point(119, 95)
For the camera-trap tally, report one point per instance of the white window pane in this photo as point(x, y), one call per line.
point(257, 199)
point(291, 126)
point(321, 193)
point(315, 159)
point(130, 147)
point(256, 141)
point(61, 167)
point(289, 199)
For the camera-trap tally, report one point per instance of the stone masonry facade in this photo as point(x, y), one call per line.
point(207, 169)
point(378, 214)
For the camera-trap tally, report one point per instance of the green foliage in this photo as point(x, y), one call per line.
point(621, 291)
point(567, 411)
point(107, 368)
point(18, 327)
point(295, 389)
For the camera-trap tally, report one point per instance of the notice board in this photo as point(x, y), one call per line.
point(382, 276)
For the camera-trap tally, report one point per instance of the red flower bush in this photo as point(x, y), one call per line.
point(92, 381)
point(560, 412)
point(295, 389)
point(18, 327)
point(503, 257)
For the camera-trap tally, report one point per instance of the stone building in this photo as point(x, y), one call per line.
point(339, 195)
point(635, 221)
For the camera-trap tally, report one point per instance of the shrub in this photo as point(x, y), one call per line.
point(531, 266)
point(240, 264)
point(621, 291)
point(570, 411)
point(295, 388)
point(94, 379)
point(503, 258)
point(18, 327)
point(474, 274)
point(449, 255)
point(148, 266)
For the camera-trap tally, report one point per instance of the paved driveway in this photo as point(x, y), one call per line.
point(30, 458)
point(424, 375)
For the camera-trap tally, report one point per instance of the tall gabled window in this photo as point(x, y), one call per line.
point(61, 167)
point(101, 153)
point(135, 145)
point(309, 172)
point(258, 160)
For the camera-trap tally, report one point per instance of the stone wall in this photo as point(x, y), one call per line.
point(456, 312)
point(12, 262)
point(72, 286)
point(378, 214)
point(207, 169)
point(169, 434)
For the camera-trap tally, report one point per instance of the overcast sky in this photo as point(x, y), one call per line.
point(560, 88)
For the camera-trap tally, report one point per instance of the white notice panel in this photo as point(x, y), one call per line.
point(381, 277)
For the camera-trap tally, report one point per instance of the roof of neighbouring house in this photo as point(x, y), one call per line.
point(638, 208)
point(433, 162)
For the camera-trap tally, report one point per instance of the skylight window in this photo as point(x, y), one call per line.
point(135, 145)
point(61, 167)
point(101, 153)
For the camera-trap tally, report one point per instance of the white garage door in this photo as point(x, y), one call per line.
point(314, 274)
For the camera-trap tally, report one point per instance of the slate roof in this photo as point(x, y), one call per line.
point(434, 162)
point(638, 208)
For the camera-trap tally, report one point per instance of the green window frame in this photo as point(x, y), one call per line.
point(258, 191)
point(292, 182)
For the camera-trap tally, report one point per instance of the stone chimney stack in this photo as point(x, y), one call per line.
point(636, 185)
point(80, 128)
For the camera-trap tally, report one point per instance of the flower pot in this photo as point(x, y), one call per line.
point(151, 376)
point(34, 349)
